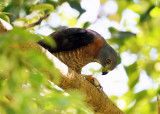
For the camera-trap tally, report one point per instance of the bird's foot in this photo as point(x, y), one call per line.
point(93, 81)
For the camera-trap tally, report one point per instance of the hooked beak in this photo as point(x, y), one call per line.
point(105, 72)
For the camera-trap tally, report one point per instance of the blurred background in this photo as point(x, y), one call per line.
point(131, 27)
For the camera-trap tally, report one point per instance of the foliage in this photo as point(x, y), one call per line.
point(24, 85)
point(24, 79)
point(146, 40)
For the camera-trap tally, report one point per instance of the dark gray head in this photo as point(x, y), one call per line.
point(107, 58)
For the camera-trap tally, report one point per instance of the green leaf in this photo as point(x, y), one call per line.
point(155, 12)
point(9, 110)
point(76, 5)
point(36, 79)
point(86, 25)
point(42, 7)
point(146, 16)
point(4, 17)
point(119, 59)
point(133, 74)
point(140, 95)
point(49, 40)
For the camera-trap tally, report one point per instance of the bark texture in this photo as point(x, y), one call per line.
point(95, 98)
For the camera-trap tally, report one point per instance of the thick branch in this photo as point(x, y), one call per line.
point(96, 99)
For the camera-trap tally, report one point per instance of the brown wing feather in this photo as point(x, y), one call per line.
point(69, 39)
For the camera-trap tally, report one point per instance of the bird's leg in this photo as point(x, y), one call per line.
point(93, 80)
point(96, 83)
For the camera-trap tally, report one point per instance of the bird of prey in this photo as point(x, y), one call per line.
point(76, 47)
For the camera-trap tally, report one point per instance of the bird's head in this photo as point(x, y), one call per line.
point(108, 58)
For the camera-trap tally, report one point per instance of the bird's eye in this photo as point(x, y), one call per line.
point(108, 61)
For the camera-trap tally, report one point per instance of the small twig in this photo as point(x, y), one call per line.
point(36, 23)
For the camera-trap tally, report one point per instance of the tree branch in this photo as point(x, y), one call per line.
point(96, 99)
point(36, 23)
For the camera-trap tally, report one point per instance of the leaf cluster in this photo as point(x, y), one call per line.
point(26, 79)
